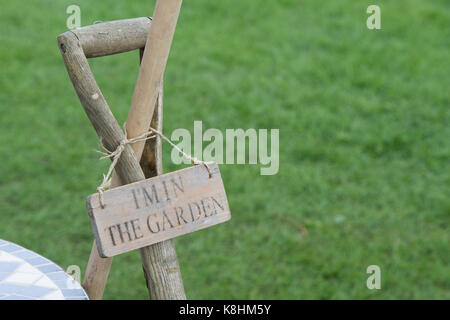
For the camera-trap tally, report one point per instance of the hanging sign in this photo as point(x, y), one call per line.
point(157, 209)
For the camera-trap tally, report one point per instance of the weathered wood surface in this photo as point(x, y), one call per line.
point(96, 108)
point(113, 37)
point(160, 263)
point(158, 209)
point(146, 91)
point(97, 270)
point(151, 159)
point(153, 64)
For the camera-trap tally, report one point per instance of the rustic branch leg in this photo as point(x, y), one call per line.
point(159, 261)
point(98, 268)
point(100, 40)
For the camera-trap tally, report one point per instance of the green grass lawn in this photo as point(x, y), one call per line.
point(364, 143)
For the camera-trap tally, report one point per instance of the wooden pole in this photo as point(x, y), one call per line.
point(113, 37)
point(153, 64)
point(159, 260)
point(97, 270)
point(99, 40)
point(160, 263)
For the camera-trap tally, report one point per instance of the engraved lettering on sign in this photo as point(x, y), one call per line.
point(158, 209)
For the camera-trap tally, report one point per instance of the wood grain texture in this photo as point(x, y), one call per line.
point(96, 107)
point(158, 209)
point(159, 261)
point(151, 159)
point(153, 64)
point(146, 91)
point(97, 270)
point(113, 37)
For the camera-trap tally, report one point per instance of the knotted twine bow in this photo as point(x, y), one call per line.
point(115, 155)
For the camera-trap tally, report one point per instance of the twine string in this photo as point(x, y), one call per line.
point(115, 155)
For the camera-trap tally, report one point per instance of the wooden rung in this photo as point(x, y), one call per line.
point(113, 37)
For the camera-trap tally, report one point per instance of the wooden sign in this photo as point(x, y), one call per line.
point(157, 209)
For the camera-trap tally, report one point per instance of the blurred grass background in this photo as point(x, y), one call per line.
point(364, 143)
